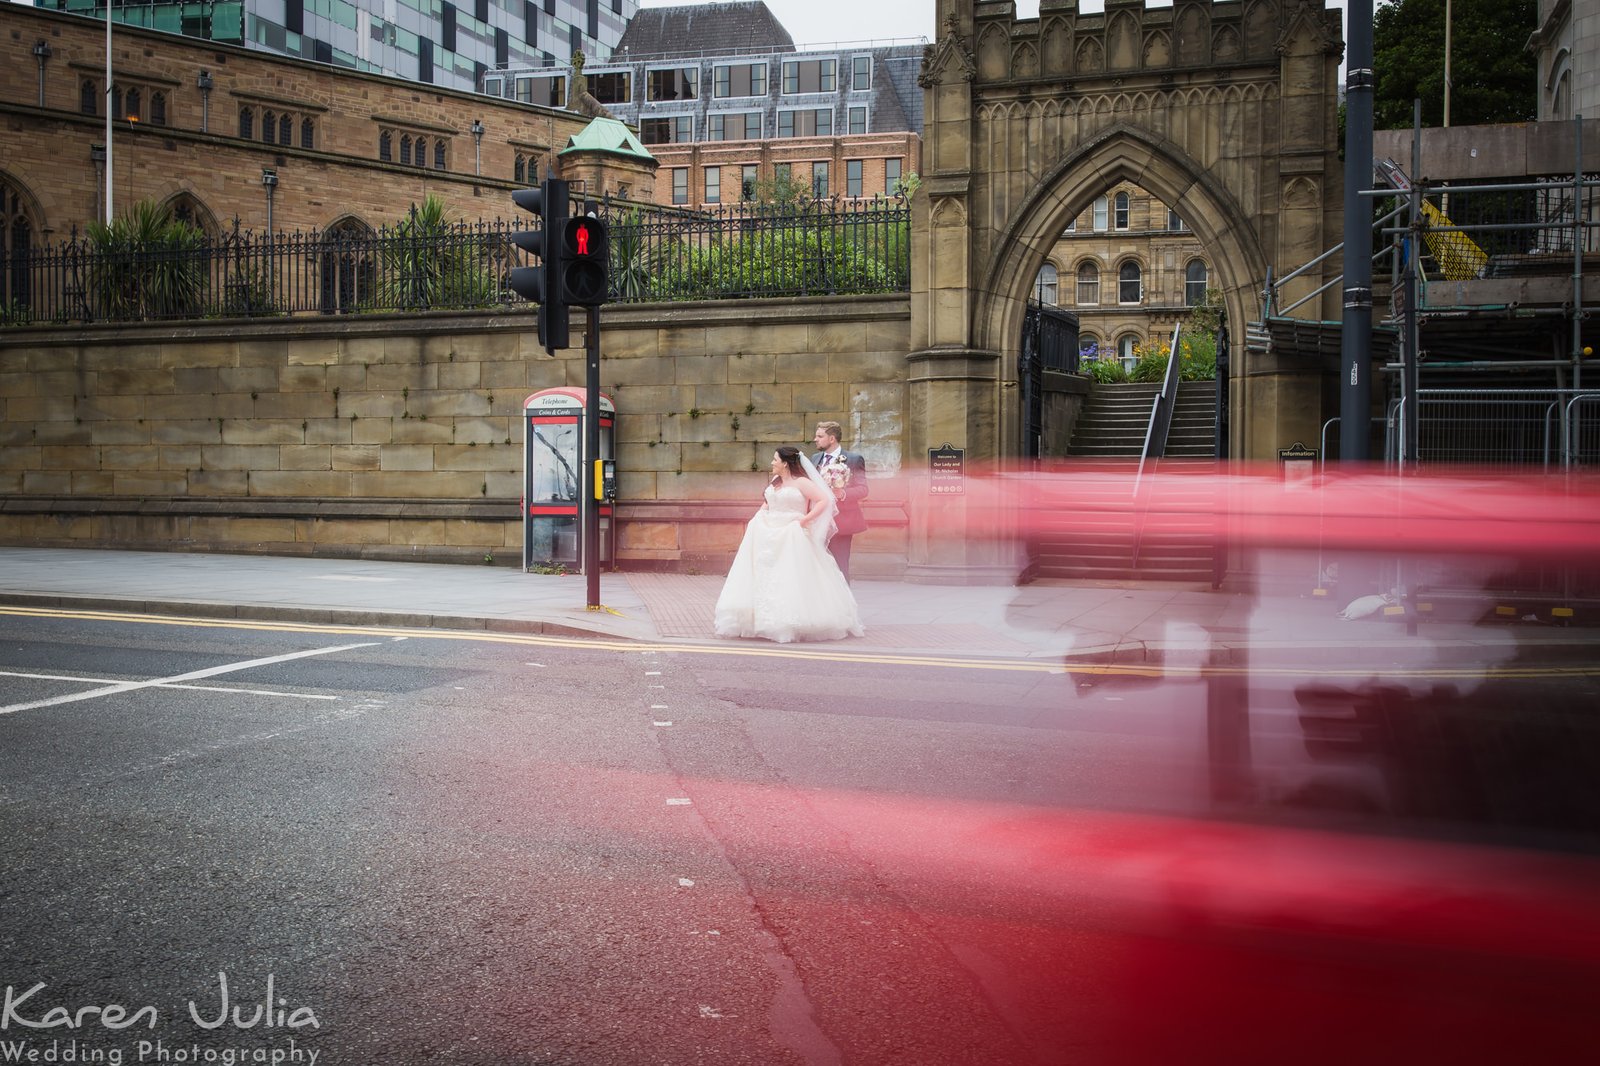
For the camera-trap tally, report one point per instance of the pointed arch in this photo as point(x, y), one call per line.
point(347, 266)
point(187, 207)
point(21, 228)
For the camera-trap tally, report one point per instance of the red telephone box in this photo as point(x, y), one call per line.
point(552, 505)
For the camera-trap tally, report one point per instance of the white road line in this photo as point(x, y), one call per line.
point(130, 686)
point(188, 688)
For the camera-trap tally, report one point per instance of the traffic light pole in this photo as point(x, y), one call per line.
point(591, 451)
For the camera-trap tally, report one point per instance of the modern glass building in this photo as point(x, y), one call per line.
point(450, 43)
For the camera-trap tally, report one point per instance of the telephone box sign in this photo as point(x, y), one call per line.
point(944, 469)
point(563, 401)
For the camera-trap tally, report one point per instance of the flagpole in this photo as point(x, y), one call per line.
point(108, 113)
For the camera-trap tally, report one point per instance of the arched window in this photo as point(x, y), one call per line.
point(308, 134)
point(1088, 285)
point(1121, 219)
point(16, 239)
point(185, 208)
point(349, 277)
point(421, 159)
point(1130, 283)
point(438, 155)
point(158, 109)
point(1100, 211)
point(518, 168)
point(1125, 345)
point(116, 101)
point(386, 146)
point(405, 149)
point(1195, 280)
point(247, 122)
point(1046, 285)
point(269, 126)
point(132, 113)
point(1088, 346)
point(89, 97)
point(285, 130)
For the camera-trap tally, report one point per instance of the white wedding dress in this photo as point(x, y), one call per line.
point(784, 585)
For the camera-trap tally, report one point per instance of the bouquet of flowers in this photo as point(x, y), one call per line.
point(836, 476)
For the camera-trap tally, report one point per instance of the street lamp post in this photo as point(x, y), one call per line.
point(109, 181)
point(477, 146)
point(205, 83)
point(42, 53)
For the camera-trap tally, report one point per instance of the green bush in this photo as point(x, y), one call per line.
point(146, 264)
point(1106, 371)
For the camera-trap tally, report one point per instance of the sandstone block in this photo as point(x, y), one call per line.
point(92, 483)
point(421, 431)
point(145, 483)
point(397, 377)
point(40, 409)
point(753, 368)
point(328, 431)
point(193, 431)
point(188, 457)
point(303, 379)
point(419, 485)
point(46, 483)
point(255, 379)
point(147, 457)
point(305, 457)
point(300, 483)
point(371, 430)
point(219, 483)
point(406, 457)
point(120, 432)
point(236, 457)
point(724, 456)
point(69, 458)
point(261, 431)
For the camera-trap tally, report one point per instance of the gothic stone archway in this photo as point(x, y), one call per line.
point(1227, 112)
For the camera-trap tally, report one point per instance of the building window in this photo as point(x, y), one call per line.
point(438, 154)
point(1174, 223)
point(518, 168)
point(88, 98)
point(746, 79)
point(676, 129)
point(405, 150)
point(1047, 285)
point(285, 130)
point(1088, 285)
point(815, 123)
point(612, 87)
point(858, 120)
point(116, 101)
point(308, 134)
point(891, 177)
point(713, 185)
point(386, 146)
point(680, 185)
point(1195, 281)
point(1088, 346)
point(247, 123)
point(422, 152)
point(1101, 208)
point(1122, 211)
point(1072, 227)
point(1130, 283)
point(809, 76)
point(494, 86)
point(852, 178)
point(734, 126)
point(132, 114)
point(747, 181)
point(158, 109)
point(675, 83)
point(1125, 344)
point(269, 126)
point(545, 90)
point(860, 73)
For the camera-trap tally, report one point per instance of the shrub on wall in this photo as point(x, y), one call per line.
point(146, 265)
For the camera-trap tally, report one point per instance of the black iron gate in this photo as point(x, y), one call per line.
point(1049, 342)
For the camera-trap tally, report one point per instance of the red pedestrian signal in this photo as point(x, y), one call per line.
point(585, 280)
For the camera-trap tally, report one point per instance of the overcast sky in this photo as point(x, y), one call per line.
point(841, 21)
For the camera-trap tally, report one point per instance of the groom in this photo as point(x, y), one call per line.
point(850, 519)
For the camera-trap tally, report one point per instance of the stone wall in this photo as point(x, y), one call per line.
point(401, 436)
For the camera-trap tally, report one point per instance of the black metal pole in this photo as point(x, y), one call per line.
point(1355, 362)
point(591, 453)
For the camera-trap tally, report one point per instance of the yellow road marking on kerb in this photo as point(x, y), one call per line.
point(821, 653)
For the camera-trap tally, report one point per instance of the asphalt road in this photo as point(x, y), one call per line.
point(492, 850)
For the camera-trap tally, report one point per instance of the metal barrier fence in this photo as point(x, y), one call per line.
point(743, 251)
point(1544, 428)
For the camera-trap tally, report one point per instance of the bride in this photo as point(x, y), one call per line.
point(784, 585)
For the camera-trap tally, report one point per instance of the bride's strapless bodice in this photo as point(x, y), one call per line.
point(785, 500)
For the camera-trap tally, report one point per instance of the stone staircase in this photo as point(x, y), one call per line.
point(1093, 524)
point(1116, 418)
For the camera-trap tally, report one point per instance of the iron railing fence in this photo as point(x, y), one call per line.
point(1548, 429)
point(742, 251)
point(1529, 227)
point(813, 248)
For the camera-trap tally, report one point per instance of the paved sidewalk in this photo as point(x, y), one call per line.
point(1177, 625)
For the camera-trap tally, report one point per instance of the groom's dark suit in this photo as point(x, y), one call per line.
point(850, 519)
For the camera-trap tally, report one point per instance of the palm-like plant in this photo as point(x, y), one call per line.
point(429, 264)
point(146, 264)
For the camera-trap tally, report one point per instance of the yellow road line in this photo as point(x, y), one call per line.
point(820, 653)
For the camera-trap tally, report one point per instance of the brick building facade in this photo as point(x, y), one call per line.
point(193, 130)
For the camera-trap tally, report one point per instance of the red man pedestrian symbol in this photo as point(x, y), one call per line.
point(583, 240)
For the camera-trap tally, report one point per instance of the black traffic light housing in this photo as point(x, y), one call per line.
point(542, 284)
point(585, 253)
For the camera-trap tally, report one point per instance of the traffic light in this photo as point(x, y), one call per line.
point(585, 249)
point(542, 283)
